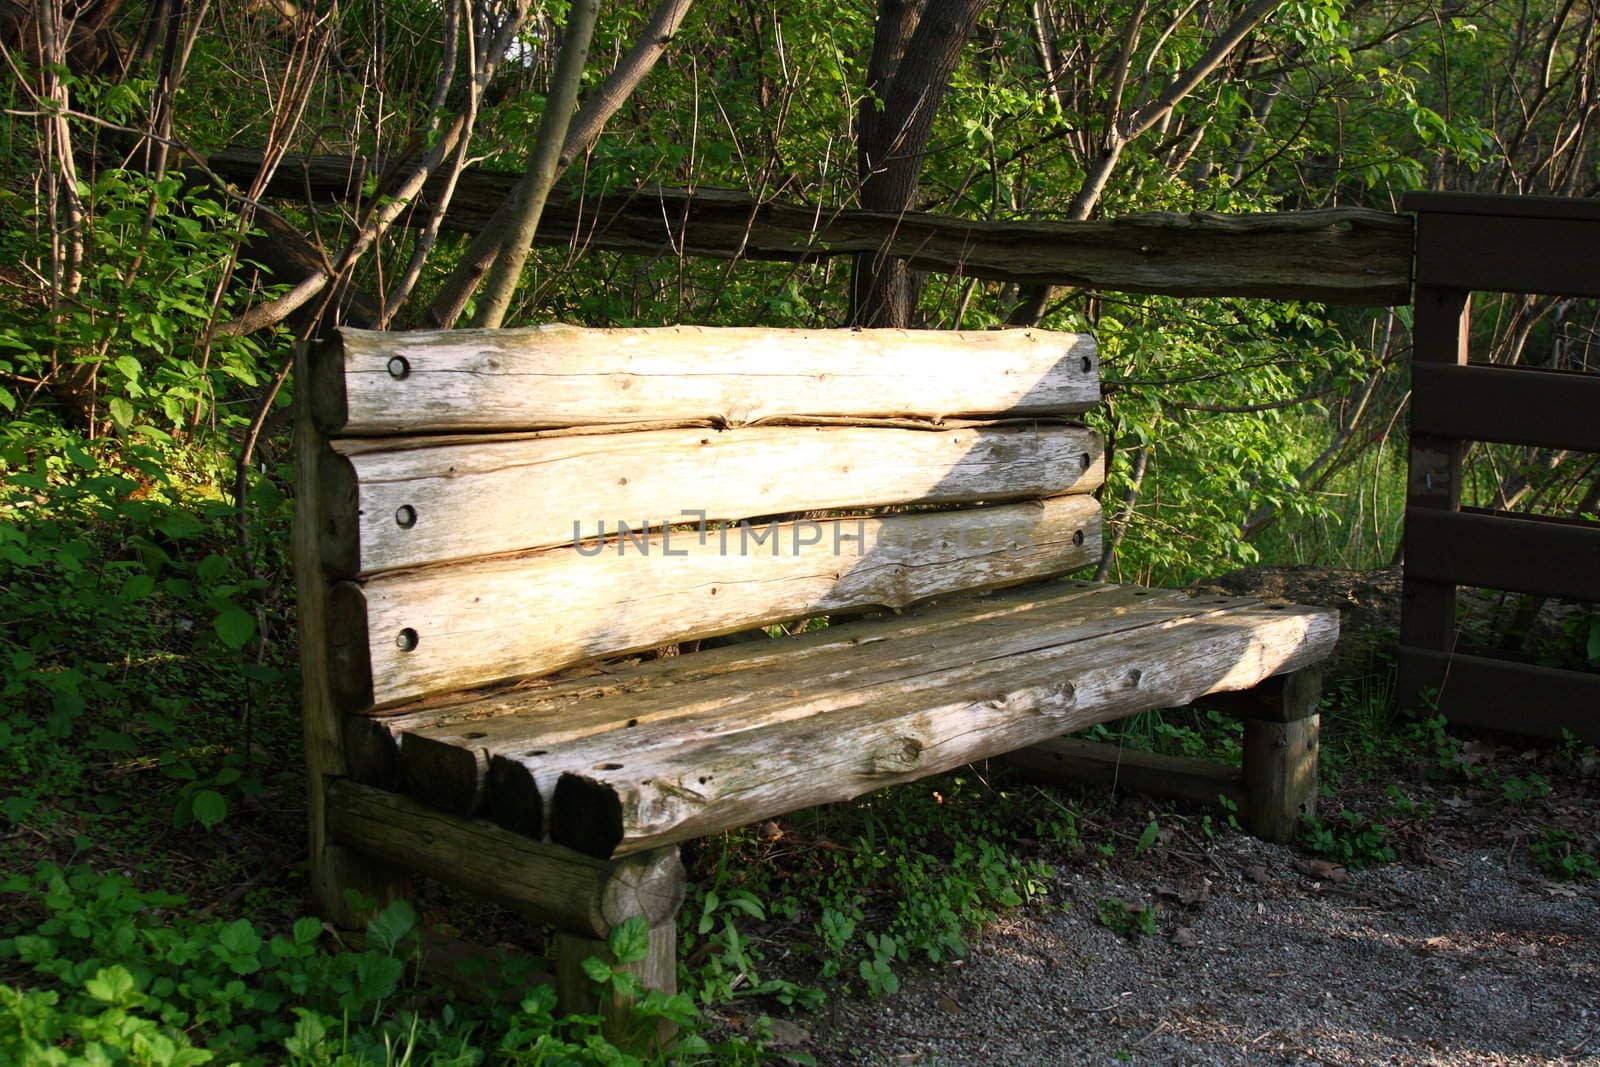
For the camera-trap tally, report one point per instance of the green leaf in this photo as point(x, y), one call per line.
point(80, 458)
point(111, 985)
point(630, 940)
point(128, 366)
point(237, 944)
point(234, 626)
point(597, 969)
point(208, 808)
point(1147, 838)
point(137, 587)
point(306, 930)
point(393, 923)
point(121, 412)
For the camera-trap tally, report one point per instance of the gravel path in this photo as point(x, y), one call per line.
point(1463, 961)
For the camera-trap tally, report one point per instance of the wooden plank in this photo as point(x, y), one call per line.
point(1493, 694)
point(453, 765)
point(1510, 255)
point(652, 786)
point(333, 869)
point(546, 882)
point(1334, 255)
point(409, 633)
point(419, 505)
point(1512, 405)
point(1071, 761)
point(372, 741)
point(1501, 550)
point(494, 380)
point(1492, 204)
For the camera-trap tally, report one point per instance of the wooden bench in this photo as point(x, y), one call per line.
point(468, 716)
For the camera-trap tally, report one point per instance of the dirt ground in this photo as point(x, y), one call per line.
point(1461, 952)
point(1471, 958)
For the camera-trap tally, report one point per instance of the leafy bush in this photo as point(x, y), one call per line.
point(115, 974)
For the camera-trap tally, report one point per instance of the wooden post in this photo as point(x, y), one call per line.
point(334, 869)
point(575, 990)
point(1428, 608)
point(1280, 752)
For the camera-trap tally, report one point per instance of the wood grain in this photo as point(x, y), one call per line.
point(418, 504)
point(410, 633)
point(421, 381)
point(1070, 761)
point(1332, 255)
point(548, 883)
point(446, 760)
point(372, 742)
point(333, 868)
point(650, 786)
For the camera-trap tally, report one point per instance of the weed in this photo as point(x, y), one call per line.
point(1557, 855)
point(1520, 792)
point(1349, 840)
point(1128, 921)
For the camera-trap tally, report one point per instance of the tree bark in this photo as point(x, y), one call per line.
point(915, 50)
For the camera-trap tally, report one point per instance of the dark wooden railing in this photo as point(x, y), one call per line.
point(1500, 244)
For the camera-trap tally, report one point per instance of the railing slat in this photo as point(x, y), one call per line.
point(1511, 405)
point(1499, 550)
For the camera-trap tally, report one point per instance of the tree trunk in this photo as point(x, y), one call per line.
point(914, 52)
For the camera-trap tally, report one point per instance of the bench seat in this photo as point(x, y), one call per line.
point(659, 752)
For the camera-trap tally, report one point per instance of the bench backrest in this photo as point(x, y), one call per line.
point(460, 480)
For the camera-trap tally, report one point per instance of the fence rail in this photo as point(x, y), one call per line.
point(1502, 244)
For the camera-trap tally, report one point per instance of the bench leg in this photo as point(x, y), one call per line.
point(1276, 786)
point(575, 991)
point(1280, 753)
point(336, 871)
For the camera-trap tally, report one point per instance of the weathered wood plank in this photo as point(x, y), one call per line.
point(372, 742)
point(1070, 761)
point(453, 765)
point(419, 505)
point(1337, 255)
point(548, 883)
point(546, 376)
point(636, 794)
point(439, 629)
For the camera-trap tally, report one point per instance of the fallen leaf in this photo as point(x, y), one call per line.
point(949, 1004)
point(1184, 937)
point(785, 1032)
point(1322, 871)
point(1258, 874)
